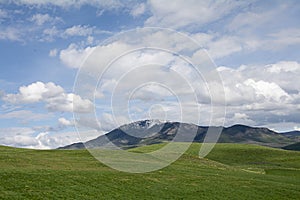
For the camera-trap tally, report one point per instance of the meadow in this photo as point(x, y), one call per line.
point(230, 171)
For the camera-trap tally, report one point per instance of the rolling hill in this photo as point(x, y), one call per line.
point(148, 132)
point(230, 171)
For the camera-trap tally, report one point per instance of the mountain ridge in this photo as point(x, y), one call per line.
point(147, 132)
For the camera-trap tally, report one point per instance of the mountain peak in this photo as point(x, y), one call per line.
point(152, 131)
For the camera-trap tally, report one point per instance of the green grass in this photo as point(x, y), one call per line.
point(230, 171)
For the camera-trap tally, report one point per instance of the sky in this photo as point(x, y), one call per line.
point(75, 69)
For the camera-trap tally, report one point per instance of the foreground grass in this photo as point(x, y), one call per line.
point(230, 171)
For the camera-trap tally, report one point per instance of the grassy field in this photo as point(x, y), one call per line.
point(230, 171)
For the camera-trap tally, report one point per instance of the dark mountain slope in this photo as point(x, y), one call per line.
point(294, 147)
point(148, 132)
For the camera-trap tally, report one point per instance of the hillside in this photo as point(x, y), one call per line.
point(153, 132)
point(292, 134)
point(231, 171)
point(294, 147)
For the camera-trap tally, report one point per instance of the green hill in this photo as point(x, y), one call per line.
point(230, 171)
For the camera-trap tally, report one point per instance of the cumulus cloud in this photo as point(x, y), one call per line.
point(17, 136)
point(146, 78)
point(28, 138)
point(289, 71)
point(268, 91)
point(218, 46)
point(74, 56)
point(41, 138)
point(34, 92)
point(69, 103)
point(253, 98)
point(283, 66)
point(255, 95)
point(249, 90)
point(265, 94)
point(52, 95)
point(65, 122)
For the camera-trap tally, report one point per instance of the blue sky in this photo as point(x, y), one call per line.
point(255, 46)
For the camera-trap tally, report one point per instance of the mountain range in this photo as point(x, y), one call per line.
point(148, 132)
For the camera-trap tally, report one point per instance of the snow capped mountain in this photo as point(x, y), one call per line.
point(148, 123)
point(154, 131)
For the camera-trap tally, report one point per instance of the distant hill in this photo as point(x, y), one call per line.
point(292, 134)
point(149, 132)
point(294, 147)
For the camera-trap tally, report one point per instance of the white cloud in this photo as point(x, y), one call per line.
point(138, 10)
point(265, 28)
point(268, 91)
point(53, 52)
point(27, 138)
point(240, 118)
point(251, 91)
point(274, 82)
point(79, 30)
point(19, 29)
point(24, 115)
point(285, 37)
point(73, 56)
point(65, 122)
point(90, 40)
point(41, 19)
point(110, 122)
point(255, 96)
point(19, 141)
point(69, 103)
point(245, 21)
point(216, 45)
point(34, 92)
point(224, 46)
point(284, 67)
point(10, 33)
point(135, 68)
point(52, 95)
point(266, 94)
point(180, 14)
point(50, 33)
point(16, 131)
point(111, 4)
